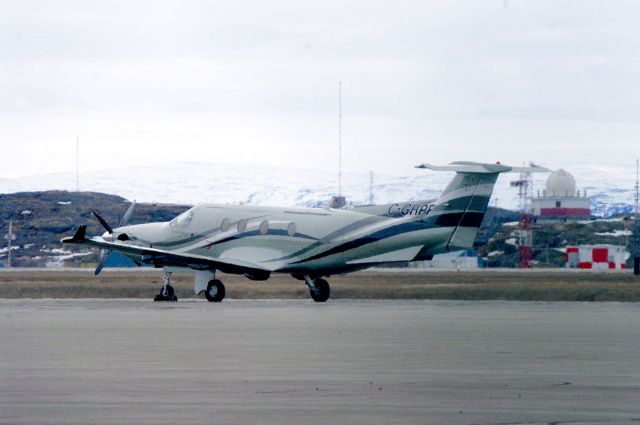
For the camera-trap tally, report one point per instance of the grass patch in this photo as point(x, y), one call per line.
point(514, 285)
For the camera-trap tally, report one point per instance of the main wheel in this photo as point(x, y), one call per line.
point(321, 292)
point(167, 292)
point(215, 291)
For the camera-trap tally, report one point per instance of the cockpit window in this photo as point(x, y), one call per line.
point(182, 220)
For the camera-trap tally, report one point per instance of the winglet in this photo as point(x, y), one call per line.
point(477, 167)
point(78, 236)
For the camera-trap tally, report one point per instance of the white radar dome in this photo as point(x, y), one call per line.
point(561, 183)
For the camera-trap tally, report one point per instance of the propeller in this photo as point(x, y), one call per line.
point(103, 222)
point(127, 215)
point(104, 254)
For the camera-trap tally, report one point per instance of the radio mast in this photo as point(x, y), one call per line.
point(339, 201)
point(370, 187)
point(636, 226)
point(525, 221)
point(339, 138)
point(78, 163)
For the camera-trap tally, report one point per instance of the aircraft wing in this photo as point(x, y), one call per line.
point(161, 258)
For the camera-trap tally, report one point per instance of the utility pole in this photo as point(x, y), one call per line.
point(9, 237)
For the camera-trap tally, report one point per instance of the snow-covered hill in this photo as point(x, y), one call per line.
point(611, 187)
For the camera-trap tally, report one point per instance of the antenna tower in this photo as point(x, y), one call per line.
point(339, 138)
point(636, 225)
point(525, 220)
point(370, 187)
point(77, 163)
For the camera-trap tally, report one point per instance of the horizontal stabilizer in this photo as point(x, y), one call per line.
point(78, 237)
point(477, 167)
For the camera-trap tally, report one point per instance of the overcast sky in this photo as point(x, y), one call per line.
point(256, 82)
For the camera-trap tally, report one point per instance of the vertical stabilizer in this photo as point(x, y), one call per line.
point(464, 202)
point(462, 207)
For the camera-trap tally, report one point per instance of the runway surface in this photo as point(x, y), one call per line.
point(298, 362)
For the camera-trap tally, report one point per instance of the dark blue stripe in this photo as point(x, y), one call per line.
point(469, 219)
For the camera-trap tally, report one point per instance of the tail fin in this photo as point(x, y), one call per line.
point(464, 202)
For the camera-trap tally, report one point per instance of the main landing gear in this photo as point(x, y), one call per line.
point(215, 291)
point(166, 292)
point(319, 289)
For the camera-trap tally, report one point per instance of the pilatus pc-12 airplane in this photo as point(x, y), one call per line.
point(307, 243)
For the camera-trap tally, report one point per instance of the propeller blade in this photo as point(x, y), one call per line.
point(99, 268)
point(104, 254)
point(127, 215)
point(104, 223)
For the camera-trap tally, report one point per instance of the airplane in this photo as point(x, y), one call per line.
point(310, 244)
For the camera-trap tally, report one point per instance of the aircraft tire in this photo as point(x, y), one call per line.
point(166, 294)
point(215, 291)
point(322, 291)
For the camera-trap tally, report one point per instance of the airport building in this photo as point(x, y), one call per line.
point(560, 201)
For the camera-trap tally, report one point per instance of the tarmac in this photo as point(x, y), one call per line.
point(298, 362)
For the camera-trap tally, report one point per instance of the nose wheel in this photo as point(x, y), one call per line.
point(215, 291)
point(166, 292)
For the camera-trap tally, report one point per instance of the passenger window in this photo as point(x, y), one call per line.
point(226, 223)
point(242, 226)
point(264, 227)
point(291, 230)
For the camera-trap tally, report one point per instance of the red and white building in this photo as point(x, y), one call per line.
point(597, 257)
point(560, 201)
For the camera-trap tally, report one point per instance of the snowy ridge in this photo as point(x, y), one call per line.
point(611, 187)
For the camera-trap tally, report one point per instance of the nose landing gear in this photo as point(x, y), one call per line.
point(166, 292)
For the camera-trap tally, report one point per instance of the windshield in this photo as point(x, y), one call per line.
point(183, 219)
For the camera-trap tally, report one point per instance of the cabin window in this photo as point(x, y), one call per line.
point(264, 227)
point(291, 229)
point(182, 220)
point(226, 223)
point(242, 226)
